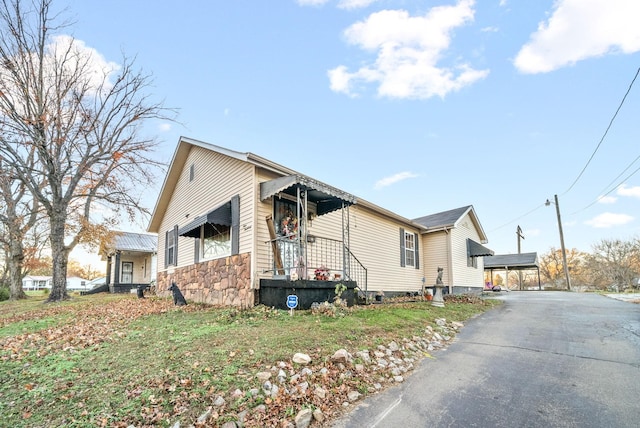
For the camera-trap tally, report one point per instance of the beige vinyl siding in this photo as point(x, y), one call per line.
point(263, 209)
point(217, 178)
point(463, 275)
point(375, 241)
point(435, 252)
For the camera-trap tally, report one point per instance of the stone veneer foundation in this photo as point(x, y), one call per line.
point(225, 281)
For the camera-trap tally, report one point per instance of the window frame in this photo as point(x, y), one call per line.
point(203, 241)
point(413, 253)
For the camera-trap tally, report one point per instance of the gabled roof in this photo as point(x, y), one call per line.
point(450, 219)
point(130, 241)
point(182, 152)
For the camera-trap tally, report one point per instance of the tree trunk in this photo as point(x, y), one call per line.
point(60, 258)
point(15, 272)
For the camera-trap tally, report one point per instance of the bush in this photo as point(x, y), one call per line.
point(4, 294)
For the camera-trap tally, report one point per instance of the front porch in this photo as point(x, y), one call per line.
point(298, 259)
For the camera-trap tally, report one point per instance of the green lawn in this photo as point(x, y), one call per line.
point(114, 360)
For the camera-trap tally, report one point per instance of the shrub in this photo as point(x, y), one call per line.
point(4, 294)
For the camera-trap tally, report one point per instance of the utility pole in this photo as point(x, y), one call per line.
point(564, 252)
point(520, 236)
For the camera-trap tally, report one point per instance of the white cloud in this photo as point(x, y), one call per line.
point(607, 220)
point(607, 199)
point(388, 181)
point(355, 4)
point(409, 49)
point(581, 29)
point(634, 192)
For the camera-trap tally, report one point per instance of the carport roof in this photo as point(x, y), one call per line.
point(512, 261)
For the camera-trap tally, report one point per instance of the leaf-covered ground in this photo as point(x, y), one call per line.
point(120, 361)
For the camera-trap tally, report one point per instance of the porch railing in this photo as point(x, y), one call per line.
point(304, 258)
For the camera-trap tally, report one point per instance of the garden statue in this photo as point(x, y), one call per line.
point(437, 296)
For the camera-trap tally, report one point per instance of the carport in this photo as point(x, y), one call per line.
point(511, 262)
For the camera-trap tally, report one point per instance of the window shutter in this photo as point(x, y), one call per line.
point(196, 250)
point(402, 249)
point(166, 249)
point(417, 245)
point(235, 224)
point(175, 245)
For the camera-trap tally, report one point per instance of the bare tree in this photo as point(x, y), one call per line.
point(616, 263)
point(18, 216)
point(82, 117)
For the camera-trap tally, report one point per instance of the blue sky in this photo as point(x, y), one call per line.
point(416, 106)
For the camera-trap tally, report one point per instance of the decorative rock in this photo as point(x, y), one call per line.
point(398, 379)
point(341, 356)
point(282, 376)
point(274, 391)
point(203, 417)
point(320, 392)
point(303, 387)
point(294, 379)
point(318, 415)
point(303, 418)
point(353, 396)
point(263, 376)
point(441, 322)
point(300, 358)
point(229, 424)
point(393, 347)
point(219, 401)
point(306, 371)
point(359, 368)
point(260, 408)
point(377, 386)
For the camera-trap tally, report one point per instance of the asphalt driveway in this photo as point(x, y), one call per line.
point(543, 359)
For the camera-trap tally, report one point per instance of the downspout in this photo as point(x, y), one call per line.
point(449, 261)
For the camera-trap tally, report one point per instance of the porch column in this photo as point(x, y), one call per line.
point(108, 276)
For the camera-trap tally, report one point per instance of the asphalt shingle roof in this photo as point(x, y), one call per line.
point(442, 219)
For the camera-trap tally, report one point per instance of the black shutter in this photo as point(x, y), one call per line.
point(166, 249)
point(175, 245)
point(417, 257)
point(402, 249)
point(235, 224)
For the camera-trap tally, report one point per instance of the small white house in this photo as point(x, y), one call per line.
point(33, 282)
point(76, 283)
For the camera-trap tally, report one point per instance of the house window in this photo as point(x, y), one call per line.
point(171, 247)
point(192, 172)
point(409, 249)
point(127, 273)
point(216, 241)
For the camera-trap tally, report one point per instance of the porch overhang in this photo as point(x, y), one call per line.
point(475, 249)
point(326, 198)
point(220, 215)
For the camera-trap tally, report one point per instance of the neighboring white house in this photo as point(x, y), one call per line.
point(75, 283)
point(32, 283)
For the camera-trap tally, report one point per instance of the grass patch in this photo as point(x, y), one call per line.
point(107, 360)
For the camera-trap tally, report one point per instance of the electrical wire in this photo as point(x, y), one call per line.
point(613, 188)
point(605, 133)
point(516, 219)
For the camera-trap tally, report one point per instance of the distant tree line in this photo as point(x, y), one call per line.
point(613, 265)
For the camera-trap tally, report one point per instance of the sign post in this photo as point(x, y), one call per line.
point(292, 302)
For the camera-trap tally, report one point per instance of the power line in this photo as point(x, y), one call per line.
point(613, 188)
point(605, 133)
point(516, 219)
